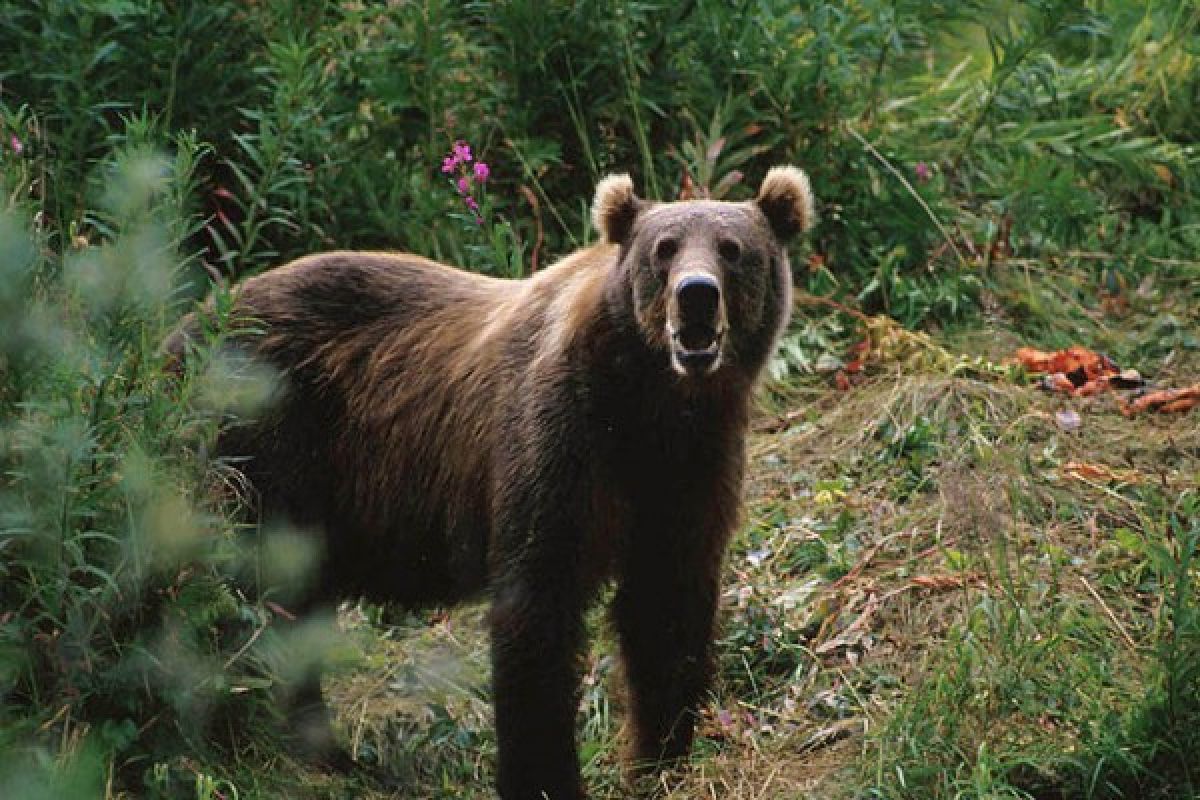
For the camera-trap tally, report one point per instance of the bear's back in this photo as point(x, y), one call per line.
point(399, 375)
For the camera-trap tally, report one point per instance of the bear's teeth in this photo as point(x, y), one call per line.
point(697, 339)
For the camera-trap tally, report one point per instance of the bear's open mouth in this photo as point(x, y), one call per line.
point(696, 348)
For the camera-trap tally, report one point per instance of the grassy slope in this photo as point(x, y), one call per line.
point(922, 602)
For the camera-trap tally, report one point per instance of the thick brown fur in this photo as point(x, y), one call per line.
point(447, 434)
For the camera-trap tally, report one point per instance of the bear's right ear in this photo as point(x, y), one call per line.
point(615, 208)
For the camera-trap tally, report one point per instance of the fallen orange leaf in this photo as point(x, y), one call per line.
point(1094, 386)
point(1182, 404)
point(1075, 370)
point(1066, 361)
point(1168, 400)
point(1100, 472)
point(1081, 372)
point(941, 583)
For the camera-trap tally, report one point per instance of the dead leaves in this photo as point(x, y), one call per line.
point(1080, 372)
point(1166, 400)
point(885, 341)
point(1076, 370)
point(1100, 473)
point(862, 603)
point(943, 583)
point(1074, 360)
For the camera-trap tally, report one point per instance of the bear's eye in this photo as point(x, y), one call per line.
point(666, 249)
point(729, 250)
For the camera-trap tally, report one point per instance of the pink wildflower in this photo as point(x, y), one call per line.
point(922, 171)
point(17, 147)
point(464, 177)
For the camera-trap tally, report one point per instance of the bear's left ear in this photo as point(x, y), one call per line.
point(786, 200)
point(615, 208)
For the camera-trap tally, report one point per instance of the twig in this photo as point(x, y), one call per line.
point(1100, 255)
point(48, 724)
point(531, 198)
point(249, 643)
point(870, 148)
point(800, 296)
point(1124, 633)
point(1096, 255)
point(806, 298)
point(356, 739)
point(1115, 495)
point(857, 569)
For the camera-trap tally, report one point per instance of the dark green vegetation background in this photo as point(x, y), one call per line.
point(977, 164)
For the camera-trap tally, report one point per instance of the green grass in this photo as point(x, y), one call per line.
point(922, 602)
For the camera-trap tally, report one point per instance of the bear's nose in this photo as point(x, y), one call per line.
point(698, 297)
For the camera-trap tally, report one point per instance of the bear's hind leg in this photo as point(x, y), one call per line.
point(310, 726)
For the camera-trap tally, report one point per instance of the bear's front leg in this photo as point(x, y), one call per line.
point(664, 612)
point(537, 636)
point(666, 637)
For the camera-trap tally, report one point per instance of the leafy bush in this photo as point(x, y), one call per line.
point(123, 635)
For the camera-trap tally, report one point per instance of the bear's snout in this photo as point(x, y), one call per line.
point(699, 297)
point(696, 324)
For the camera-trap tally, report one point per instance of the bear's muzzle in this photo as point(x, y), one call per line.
point(696, 324)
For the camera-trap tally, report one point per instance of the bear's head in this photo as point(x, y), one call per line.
point(708, 282)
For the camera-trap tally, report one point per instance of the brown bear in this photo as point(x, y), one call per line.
point(450, 434)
